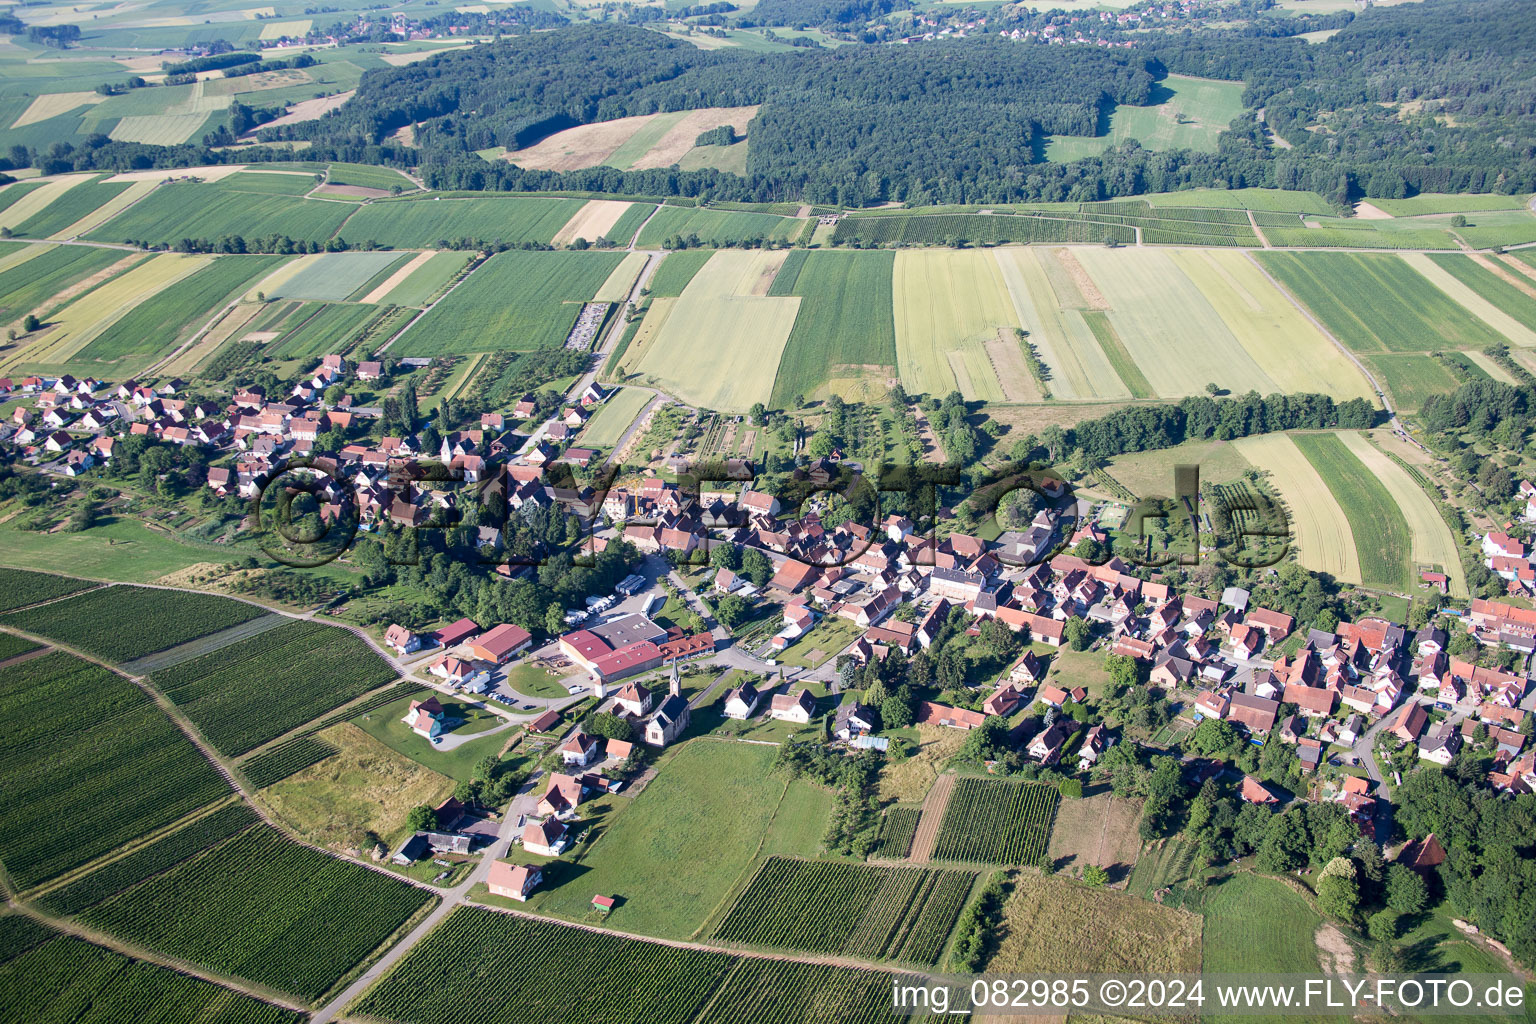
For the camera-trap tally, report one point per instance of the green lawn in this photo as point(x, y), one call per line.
point(673, 854)
point(385, 725)
point(1258, 924)
point(1186, 113)
point(1379, 527)
point(615, 416)
point(1411, 377)
point(829, 636)
point(532, 681)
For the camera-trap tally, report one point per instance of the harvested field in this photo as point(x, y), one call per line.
point(309, 110)
point(1382, 540)
point(594, 220)
point(1052, 925)
point(35, 200)
point(52, 104)
point(930, 817)
point(1320, 530)
point(1011, 369)
point(585, 145)
point(619, 283)
point(1433, 543)
point(721, 342)
point(947, 305)
point(397, 278)
point(1097, 830)
point(678, 139)
point(1049, 304)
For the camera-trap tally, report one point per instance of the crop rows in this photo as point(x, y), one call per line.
point(925, 938)
point(148, 861)
point(1140, 209)
point(255, 690)
point(897, 830)
point(19, 588)
point(976, 228)
point(261, 907)
point(997, 822)
point(68, 981)
point(123, 623)
point(497, 969)
point(830, 907)
point(89, 763)
point(285, 759)
point(385, 696)
point(761, 991)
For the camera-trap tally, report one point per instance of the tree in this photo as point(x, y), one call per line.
point(1095, 876)
point(1338, 891)
point(756, 566)
point(731, 610)
point(725, 556)
point(30, 323)
point(422, 819)
point(1406, 891)
point(1078, 634)
point(758, 414)
point(1382, 925)
point(896, 710)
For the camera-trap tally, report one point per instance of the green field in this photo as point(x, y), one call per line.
point(1440, 202)
point(70, 207)
point(272, 183)
point(948, 306)
point(93, 622)
point(153, 327)
point(427, 222)
point(615, 416)
point(121, 548)
point(977, 229)
point(1411, 377)
point(321, 329)
point(996, 822)
point(676, 270)
point(90, 763)
point(384, 723)
point(334, 275)
point(1185, 113)
point(1382, 538)
point(1253, 923)
point(368, 176)
point(717, 227)
point(426, 281)
point(1377, 303)
point(261, 907)
point(1270, 200)
point(211, 210)
point(1118, 355)
point(844, 326)
point(515, 300)
point(677, 849)
point(27, 287)
point(66, 979)
point(1502, 227)
point(1507, 297)
point(252, 691)
point(19, 588)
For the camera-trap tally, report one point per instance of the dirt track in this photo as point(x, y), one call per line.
point(933, 813)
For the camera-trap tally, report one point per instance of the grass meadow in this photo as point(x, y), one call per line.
point(427, 221)
point(515, 300)
point(717, 227)
point(1411, 377)
point(1186, 113)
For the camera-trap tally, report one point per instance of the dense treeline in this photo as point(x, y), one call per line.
point(1198, 418)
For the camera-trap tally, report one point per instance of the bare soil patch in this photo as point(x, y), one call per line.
point(934, 806)
point(586, 145)
point(1334, 953)
point(1365, 211)
point(680, 137)
point(1012, 371)
point(592, 221)
point(1085, 284)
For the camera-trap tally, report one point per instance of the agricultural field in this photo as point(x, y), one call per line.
point(1411, 377)
point(1500, 228)
point(1450, 275)
point(332, 276)
point(717, 227)
point(106, 760)
point(430, 221)
point(362, 791)
point(622, 280)
point(1268, 200)
point(601, 218)
point(68, 208)
point(675, 851)
point(608, 425)
point(367, 176)
point(762, 991)
point(676, 270)
point(153, 327)
point(212, 210)
point(515, 300)
point(253, 691)
point(844, 328)
point(873, 913)
point(68, 979)
point(1052, 297)
point(1432, 544)
point(318, 329)
point(19, 587)
point(261, 907)
point(287, 758)
point(149, 860)
point(93, 621)
point(1440, 202)
point(720, 344)
point(1186, 113)
point(1320, 531)
point(1493, 282)
point(1377, 303)
point(644, 141)
point(425, 280)
point(948, 305)
point(1052, 925)
point(505, 969)
point(996, 822)
point(978, 229)
point(31, 275)
point(896, 831)
point(32, 198)
point(1382, 539)
point(1253, 923)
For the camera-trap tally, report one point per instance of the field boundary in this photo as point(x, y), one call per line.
point(934, 806)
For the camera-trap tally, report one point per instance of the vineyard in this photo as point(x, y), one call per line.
point(255, 690)
point(285, 759)
point(261, 907)
point(161, 855)
point(67, 981)
point(89, 763)
point(979, 229)
point(858, 910)
point(997, 822)
point(779, 991)
point(12, 645)
point(897, 830)
point(123, 623)
point(385, 696)
point(19, 588)
point(488, 967)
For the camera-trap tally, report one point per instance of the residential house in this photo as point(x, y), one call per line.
point(580, 749)
point(545, 838)
point(797, 707)
point(514, 881)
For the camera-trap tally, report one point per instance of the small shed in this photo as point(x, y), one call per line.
point(603, 903)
